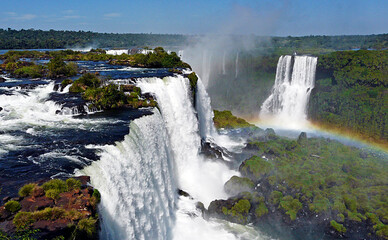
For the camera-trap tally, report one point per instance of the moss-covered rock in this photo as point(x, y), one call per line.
point(256, 168)
point(235, 185)
point(225, 119)
point(338, 227)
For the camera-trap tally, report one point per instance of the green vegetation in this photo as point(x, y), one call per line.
point(38, 39)
point(291, 206)
point(193, 83)
point(323, 175)
point(27, 189)
point(109, 96)
point(225, 119)
point(31, 71)
point(55, 184)
point(261, 209)
point(236, 185)
point(66, 82)
point(12, 206)
point(350, 93)
point(256, 168)
point(58, 68)
point(97, 195)
point(85, 81)
point(337, 226)
point(239, 212)
point(87, 225)
point(156, 59)
point(73, 184)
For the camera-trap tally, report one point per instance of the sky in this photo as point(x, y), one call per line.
point(259, 17)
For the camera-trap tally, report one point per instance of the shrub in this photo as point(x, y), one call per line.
point(97, 195)
point(23, 220)
point(73, 184)
point(57, 184)
point(87, 225)
point(49, 214)
point(27, 189)
point(66, 82)
point(261, 210)
point(338, 227)
point(12, 206)
point(53, 194)
point(57, 67)
point(291, 206)
point(85, 81)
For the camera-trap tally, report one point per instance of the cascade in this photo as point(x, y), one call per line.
point(117, 52)
point(136, 181)
point(205, 113)
point(295, 76)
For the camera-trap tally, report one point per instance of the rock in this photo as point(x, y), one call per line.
point(30, 204)
point(56, 87)
point(212, 150)
point(302, 137)
point(2, 79)
point(236, 185)
point(200, 207)
point(6, 199)
point(270, 134)
point(1, 109)
point(183, 193)
point(84, 179)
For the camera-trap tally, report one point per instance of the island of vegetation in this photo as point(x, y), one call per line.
point(55, 209)
point(337, 189)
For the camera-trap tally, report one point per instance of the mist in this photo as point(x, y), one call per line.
point(225, 60)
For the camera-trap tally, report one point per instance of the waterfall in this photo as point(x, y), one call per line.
point(117, 52)
point(136, 181)
point(205, 112)
point(202, 179)
point(295, 76)
point(237, 65)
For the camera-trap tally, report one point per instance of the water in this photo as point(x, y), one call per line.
point(136, 181)
point(287, 104)
point(136, 158)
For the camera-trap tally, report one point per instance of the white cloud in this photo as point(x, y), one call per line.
point(71, 17)
point(10, 13)
point(70, 11)
point(112, 15)
point(26, 17)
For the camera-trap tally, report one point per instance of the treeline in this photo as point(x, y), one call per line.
point(52, 39)
point(351, 92)
point(350, 42)
point(39, 39)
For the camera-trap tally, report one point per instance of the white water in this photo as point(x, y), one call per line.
point(138, 177)
point(287, 104)
point(117, 52)
point(136, 181)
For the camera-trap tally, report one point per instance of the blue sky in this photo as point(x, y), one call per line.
point(260, 17)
